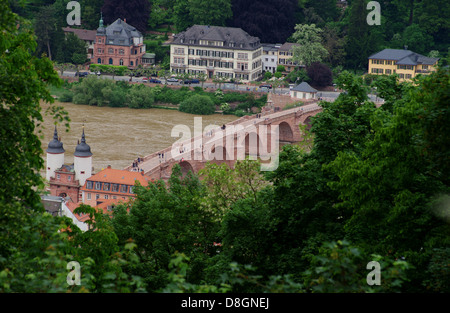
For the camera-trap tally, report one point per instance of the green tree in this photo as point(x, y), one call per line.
point(198, 104)
point(226, 186)
point(389, 187)
point(140, 97)
point(34, 252)
point(201, 12)
point(164, 219)
point(310, 48)
point(362, 39)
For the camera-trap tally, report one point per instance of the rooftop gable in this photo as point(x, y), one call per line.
point(237, 36)
point(403, 57)
point(304, 87)
point(123, 177)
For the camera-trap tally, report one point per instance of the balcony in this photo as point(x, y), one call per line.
point(177, 65)
point(241, 71)
point(205, 57)
point(422, 71)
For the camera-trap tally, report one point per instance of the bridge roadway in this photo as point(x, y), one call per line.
point(157, 164)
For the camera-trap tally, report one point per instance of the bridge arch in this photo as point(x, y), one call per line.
point(308, 122)
point(285, 132)
point(186, 167)
point(219, 154)
point(253, 144)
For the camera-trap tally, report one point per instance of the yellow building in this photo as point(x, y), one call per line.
point(405, 63)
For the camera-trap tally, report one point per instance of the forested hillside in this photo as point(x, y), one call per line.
point(422, 26)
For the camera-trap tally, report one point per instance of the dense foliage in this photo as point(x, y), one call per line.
point(422, 26)
point(105, 92)
point(373, 186)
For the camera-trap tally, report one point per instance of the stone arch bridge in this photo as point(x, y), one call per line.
point(258, 136)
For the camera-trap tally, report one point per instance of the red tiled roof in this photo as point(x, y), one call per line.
point(83, 34)
point(122, 177)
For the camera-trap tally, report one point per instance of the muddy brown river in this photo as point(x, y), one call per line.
point(117, 136)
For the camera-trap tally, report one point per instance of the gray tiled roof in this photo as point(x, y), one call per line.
point(271, 46)
point(304, 87)
point(240, 38)
point(287, 46)
point(403, 57)
point(121, 34)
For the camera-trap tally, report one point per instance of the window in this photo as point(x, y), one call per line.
point(121, 51)
point(242, 56)
point(388, 71)
point(178, 60)
point(98, 186)
point(131, 63)
point(88, 185)
point(106, 186)
point(111, 51)
point(89, 196)
point(115, 187)
point(58, 177)
point(106, 197)
point(97, 196)
point(131, 189)
point(178, 51)
point(110, 61)
point(121, 62)
point(123, 188)
point(408, 76)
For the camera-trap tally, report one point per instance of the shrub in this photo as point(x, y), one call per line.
point(66, 96)
point(198, 104)
point(140, 97)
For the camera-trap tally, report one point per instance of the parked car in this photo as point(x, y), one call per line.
point(172, 80)
point(263, 88)
point(191, 81)
point(266, 86)
point(82, 74)
point(154, 81)
point(144, 79)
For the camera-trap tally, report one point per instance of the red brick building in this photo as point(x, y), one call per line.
point(119, 44)
point(111, 184)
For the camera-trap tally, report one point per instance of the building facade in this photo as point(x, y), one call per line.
point(65, 180)
point(111, 184)
point(303, 91)
point(285, 54)
point(406, 63)
point(217, 51)
point(119, 44)
point(270, 57)
point(88, 36)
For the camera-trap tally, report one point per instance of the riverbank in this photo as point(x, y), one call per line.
point(109, 93)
